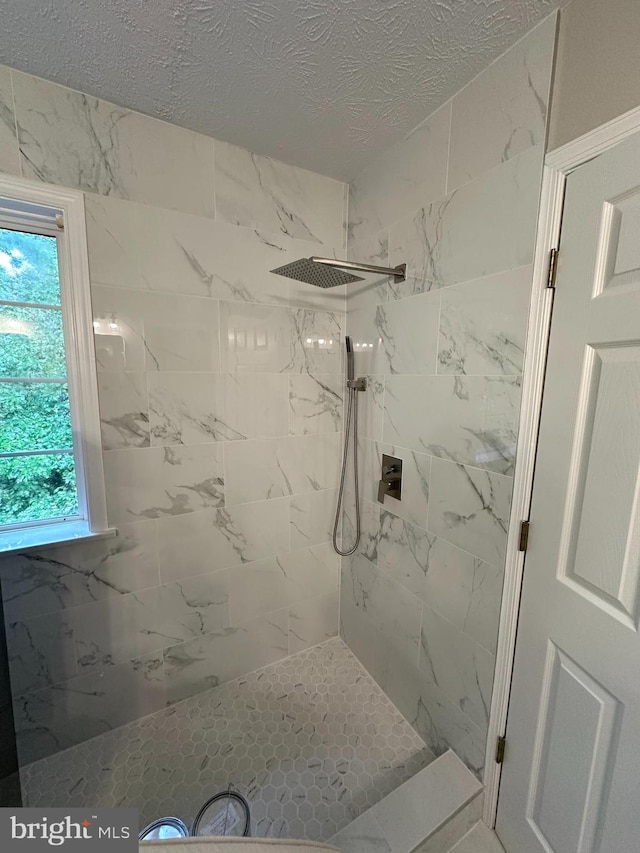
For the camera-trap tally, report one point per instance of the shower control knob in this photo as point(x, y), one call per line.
point(391, 481)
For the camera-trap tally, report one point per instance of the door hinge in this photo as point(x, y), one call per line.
point(553, 268)
point(524, 536)
point(500, 748)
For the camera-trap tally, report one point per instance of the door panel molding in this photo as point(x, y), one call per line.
point(558, 164)
point(549, 813)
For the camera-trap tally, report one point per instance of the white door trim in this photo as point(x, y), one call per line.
point(558, 164)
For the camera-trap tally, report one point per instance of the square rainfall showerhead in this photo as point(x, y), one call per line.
point(320, 275)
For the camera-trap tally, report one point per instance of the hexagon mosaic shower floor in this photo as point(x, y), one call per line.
point(311, 742)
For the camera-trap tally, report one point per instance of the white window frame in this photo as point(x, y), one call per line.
point(77, 318)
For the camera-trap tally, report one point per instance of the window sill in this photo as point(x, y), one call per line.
point(50, 535)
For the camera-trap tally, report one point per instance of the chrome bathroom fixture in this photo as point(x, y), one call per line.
point(353, 387)
point(328, 272)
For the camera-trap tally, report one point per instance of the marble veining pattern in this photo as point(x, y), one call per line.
point(199, 347)
point(469, 419)
point(8, 142)
point(311, 741)
point(57, 578)
point(483, 325)
point(446, 349)
point(69, 138)
point(260, 192)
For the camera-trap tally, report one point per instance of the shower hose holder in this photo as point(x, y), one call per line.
point(359, 384)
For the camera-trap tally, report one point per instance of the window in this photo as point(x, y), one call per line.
point(51, 480)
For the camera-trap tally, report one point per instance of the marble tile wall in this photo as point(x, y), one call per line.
point(220, 392)
point(457, 201)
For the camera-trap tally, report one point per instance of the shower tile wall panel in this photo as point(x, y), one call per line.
point(458, 202)
point(221, 396)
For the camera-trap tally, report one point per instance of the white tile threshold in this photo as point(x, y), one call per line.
point(479, 840)
point(429, 813)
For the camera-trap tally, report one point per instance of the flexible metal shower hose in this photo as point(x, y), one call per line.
point(352, 406)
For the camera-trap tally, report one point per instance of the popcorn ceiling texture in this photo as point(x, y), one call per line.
point(323, 84)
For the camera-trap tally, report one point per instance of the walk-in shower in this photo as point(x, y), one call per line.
point(330, 272)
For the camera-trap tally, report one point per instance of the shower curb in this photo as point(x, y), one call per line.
point(429, 813)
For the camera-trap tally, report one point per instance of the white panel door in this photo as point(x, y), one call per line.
point(571, 778)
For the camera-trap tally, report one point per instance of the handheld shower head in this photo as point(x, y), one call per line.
point(350, 368)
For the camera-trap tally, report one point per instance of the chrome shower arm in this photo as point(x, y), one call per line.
point(399, 273)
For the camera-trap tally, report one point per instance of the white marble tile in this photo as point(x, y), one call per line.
point(196, 408)
point(311, 517)
point(315, 403)
point(480, 840)
point(470, 419)
point(138, 331)
point(96, 703)
point(52, 579)
point(406, 176)
point(387, 663)
point(72, 139)
point(483, 324)
point(259, 192)
point(454, 829)
point(407, 334)
point(313, 621)
point(368, 356)
point(486, 226)
point(414, 811)
point(316, 344)
point(373, 249)
point(470, 508)
point(207, 541)
point(225, 261)
point(41, 651)
point(362, 835)
point(120, 629)
point(118, 329)
point(180, 332)
point(157, 481)
point(9, 154)
point(187, 408)
point(243, 730)
point(255, 338)
point(389, 608)
point(256, 404)
point(458, 666)
point(266, 585)
point(371, 409)
point(464, 589)
point(124, 410)
point(416, 472)
point(443, 726)
point(115, 232)
point(218, 657)
point(369, 525)
point(403, 551)
point(258, 338)
point(503, 111)
point(261, 469)
point(219, 260)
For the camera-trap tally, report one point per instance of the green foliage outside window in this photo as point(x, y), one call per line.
point(33, 416)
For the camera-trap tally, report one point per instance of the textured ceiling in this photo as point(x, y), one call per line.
point(324, 84)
